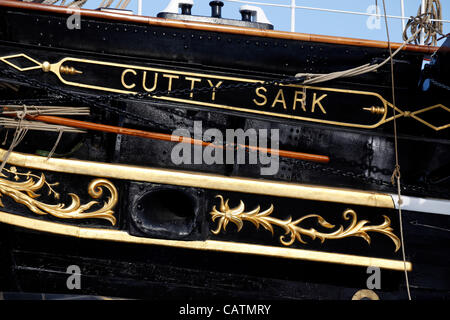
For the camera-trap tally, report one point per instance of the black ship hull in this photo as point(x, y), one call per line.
point(164, 229)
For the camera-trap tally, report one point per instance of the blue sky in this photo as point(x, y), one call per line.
point(307, 21)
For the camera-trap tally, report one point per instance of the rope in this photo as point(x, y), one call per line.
point(122, 4)
point(396, 174)
point(51, 2)
point(428, 22)
point(19, 134)
point(106, 3)
point(415, 223)
point(77, 3)
point(440, 85)
point(46, 110)
point(103, 102)
point(318, 78)
point(6, 137)
point(22, 126)
point(99, 103)
point(7, 85)
point(50, 154)
point(22, 112)
point(34, 125)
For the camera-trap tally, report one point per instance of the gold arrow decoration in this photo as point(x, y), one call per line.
point(293, 230)
point(24, 192)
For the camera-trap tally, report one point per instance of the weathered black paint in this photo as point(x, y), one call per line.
point(360, 159)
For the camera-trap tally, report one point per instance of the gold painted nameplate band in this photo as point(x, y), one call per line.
point(342, 107)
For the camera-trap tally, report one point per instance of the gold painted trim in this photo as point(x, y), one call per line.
point(208, 245)
point(5, 60)
point(415, 113)
point(287, 116)
point(202, 180)
point(365, 293)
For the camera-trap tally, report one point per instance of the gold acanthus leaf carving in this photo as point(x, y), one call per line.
point(293, 230)
point(24, 192)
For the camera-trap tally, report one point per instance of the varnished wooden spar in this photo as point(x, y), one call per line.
point(172, 138)
point(215, 27)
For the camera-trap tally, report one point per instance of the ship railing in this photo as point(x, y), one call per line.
point(293, 6)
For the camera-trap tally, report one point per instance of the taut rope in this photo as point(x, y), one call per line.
point(396, 173)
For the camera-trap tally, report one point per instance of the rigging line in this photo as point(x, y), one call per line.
point(440, 85)
point(77, 3)
point(396, 172)
point(119, 4)
point(122, 4)
point(358, 13)
point(95, 103)
point(319, 78)
point(51, 2)
point(33, 125)
point(22, 127)
point(50, 154)
point(314, 167)
point(45, 110)
point(82, 99)
point(106, 3)
point(133, 116)
point(103, 102)
point(416, 223)
point(19, 134)
point(6, 137)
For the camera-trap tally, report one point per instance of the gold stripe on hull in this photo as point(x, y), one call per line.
point(208, 245)
point(202, 180)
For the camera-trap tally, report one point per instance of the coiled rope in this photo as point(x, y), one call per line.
point(428, 22)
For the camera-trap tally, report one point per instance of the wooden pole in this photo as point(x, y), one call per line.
point(168, 137)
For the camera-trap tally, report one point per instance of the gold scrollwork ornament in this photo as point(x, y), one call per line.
point(293, 230)
point(24, 192)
